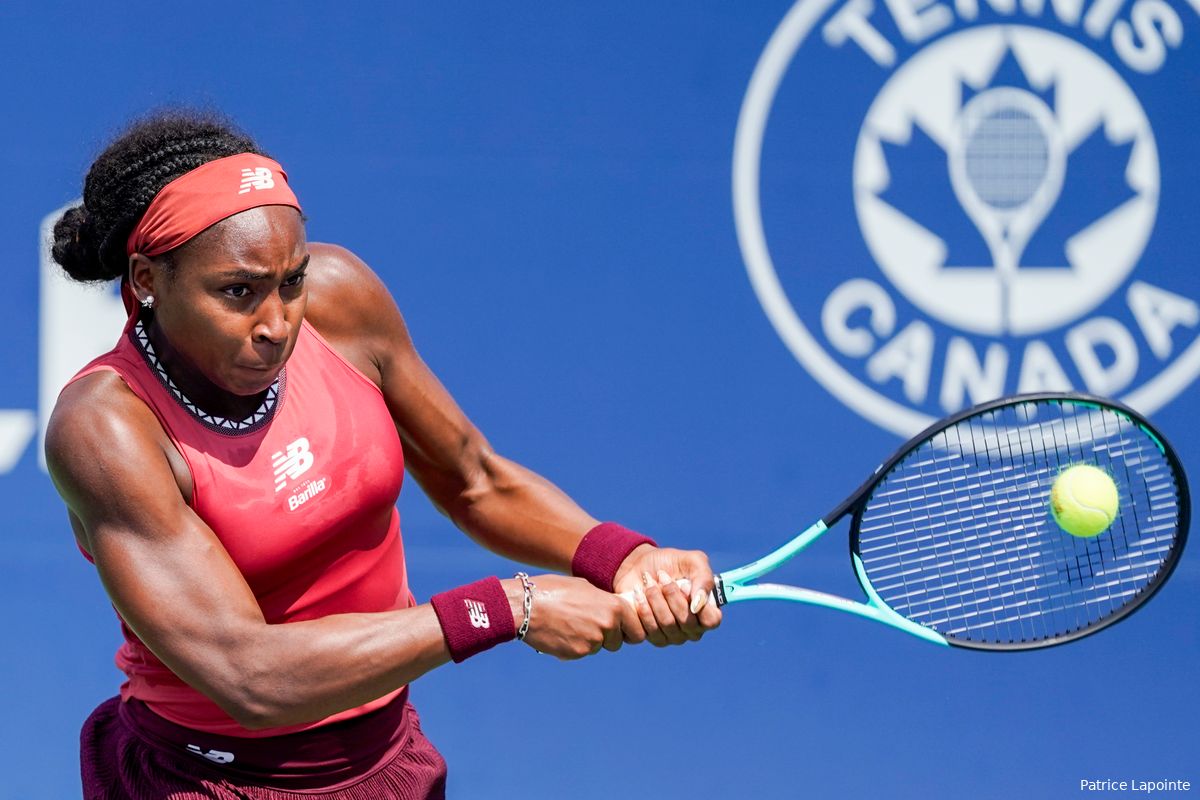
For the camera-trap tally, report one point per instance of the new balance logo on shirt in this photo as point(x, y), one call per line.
point(258, 178)
point(477, 613)
point(290, 464)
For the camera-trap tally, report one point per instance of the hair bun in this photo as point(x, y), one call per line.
point(76, 249)
point(89, 240)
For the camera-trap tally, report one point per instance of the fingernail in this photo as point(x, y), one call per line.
point(663, 577)
point(699, 600)
point(684, 585)
point(646, 579)
point(640, 595)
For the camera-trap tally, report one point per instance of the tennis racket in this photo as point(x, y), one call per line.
point(953, 541)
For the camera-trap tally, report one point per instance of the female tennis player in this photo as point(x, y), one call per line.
point(231, 467)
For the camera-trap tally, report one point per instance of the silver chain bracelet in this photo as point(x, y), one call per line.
point(527, 585)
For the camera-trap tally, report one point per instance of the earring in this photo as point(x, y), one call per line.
point(148, 303)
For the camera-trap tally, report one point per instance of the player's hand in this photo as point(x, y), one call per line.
point(572, 619)
point(670, 613)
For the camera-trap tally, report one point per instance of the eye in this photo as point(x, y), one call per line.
point(237, 291)
point(295, 280)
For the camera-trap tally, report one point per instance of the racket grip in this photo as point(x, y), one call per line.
point(684, 585)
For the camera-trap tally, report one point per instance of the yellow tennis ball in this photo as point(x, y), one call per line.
point(1083, 500)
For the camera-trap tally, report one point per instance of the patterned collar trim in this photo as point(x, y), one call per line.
point(256, 420)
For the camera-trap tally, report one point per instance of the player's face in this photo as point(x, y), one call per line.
point(230, 310)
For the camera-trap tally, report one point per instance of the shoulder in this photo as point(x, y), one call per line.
point(99, 401)
point(100, 433)
point(343, 292)
point(352, 309)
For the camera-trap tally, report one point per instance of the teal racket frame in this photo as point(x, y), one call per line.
point(731, 587)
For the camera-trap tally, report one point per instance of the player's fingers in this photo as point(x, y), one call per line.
point(633, 630)
point(702, 603)
point(685, 585)
point(677, 601)
point(645, 614)
point(699, 580)
point(697, 587)
point(710, 616)
point(663, 616)
point(668, 604)
point(612, 640)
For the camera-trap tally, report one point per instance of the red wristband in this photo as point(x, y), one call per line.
point(601, 552)
point(474, 618)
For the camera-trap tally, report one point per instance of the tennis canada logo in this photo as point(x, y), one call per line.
point(953, 201)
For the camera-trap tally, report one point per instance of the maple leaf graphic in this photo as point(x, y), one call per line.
point(1093, 186)
point(920, 189)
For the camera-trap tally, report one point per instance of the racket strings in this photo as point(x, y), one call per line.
point(959, 536)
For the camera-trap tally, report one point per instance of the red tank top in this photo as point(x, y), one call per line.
point(302, 494)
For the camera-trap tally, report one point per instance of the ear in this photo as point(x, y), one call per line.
point(142, 272)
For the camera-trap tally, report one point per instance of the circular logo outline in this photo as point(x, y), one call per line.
point(764, 83)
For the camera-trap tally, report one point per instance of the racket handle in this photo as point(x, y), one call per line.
point(684, 585)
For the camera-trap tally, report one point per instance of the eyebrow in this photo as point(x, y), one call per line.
point(245, 274)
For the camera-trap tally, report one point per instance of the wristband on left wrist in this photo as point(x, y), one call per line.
point(474, 618)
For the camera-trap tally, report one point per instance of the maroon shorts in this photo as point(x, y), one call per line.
point(128, 752)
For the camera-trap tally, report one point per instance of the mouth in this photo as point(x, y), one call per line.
point(256, 378)
point(261, 369)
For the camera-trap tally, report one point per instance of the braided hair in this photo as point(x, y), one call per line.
point(89, 240)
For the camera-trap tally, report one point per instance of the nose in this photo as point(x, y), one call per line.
point(271, 325)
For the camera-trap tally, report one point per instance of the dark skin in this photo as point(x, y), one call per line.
point(228, 307)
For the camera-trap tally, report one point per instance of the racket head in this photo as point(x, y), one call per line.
point(954, 532)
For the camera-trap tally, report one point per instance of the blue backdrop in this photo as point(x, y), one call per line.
point(703, 265)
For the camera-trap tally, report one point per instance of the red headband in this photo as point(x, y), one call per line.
point(204, 197)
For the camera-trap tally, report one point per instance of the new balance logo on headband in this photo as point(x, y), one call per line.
point(257, 178)
point(477, 613)
point(190, 203)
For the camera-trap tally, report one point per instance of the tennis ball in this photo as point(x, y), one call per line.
point(1083, 500)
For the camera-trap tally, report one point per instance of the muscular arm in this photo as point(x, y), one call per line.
point(175, 586)
point(504, 506)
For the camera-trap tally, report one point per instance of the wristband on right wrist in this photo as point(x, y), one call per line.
point(601, 551)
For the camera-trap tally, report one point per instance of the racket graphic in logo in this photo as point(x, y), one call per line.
point(1006, 166)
